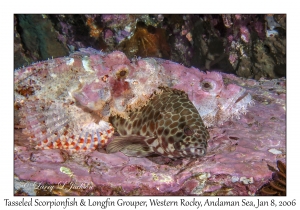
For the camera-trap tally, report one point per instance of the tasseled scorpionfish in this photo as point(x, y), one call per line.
point(66, 103)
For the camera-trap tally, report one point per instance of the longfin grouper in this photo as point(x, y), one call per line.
point(169, 125)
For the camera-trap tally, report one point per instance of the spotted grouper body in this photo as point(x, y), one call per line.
point(169, 125)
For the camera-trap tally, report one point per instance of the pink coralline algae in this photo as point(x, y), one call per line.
point(245, 34)
point(52, 104)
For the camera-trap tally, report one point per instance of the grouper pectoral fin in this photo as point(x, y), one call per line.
point(133, 145)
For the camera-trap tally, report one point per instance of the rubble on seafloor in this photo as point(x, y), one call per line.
point(239, 155)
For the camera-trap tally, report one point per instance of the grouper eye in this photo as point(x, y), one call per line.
point(188, 131)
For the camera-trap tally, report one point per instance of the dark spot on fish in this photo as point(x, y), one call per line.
point(176, 105)
point(151, 114)
point(188, 131)
point(185, 112)
point(146, 109)
point(173, 125)
point(181, 120)
point(195, 116)
point(189, 117)
point(197, 135)
point(164, 142)
point(161, 123)
point(129, 126)
point(168, 122)
point(135, 123)
point(122, 121)
point(181, 125)
point(175, 117)
point(177, 145)
point(164, 100)
point(233, 138)
point(139, 123)
point(132, 116)
point(179, 134)
point(173, 131)
point(171, 140)
point(144, 129)
point(160, 131)
point(152, 126)
point(144, 120)
point(166, 131)
point(157, 104)
point(188, 139)
point(157, 116)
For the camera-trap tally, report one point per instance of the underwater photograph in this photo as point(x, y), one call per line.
point(149, 104)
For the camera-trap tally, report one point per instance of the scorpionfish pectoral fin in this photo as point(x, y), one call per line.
point(133, 145)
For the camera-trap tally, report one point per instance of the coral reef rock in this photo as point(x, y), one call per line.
point(248, 45)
